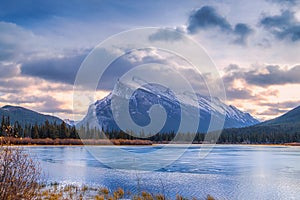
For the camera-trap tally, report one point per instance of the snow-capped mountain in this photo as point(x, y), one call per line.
point(141, 100)
point(70, 122)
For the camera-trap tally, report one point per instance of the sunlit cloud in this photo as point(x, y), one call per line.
point(255, 46)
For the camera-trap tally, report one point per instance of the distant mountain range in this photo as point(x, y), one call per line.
point(142, 99)
point(288, 123)
point(150, 94)
point(26, 116)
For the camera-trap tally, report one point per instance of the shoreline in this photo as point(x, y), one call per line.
point(70, 142)
point(112, 142)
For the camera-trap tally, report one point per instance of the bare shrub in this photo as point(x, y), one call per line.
point(19, 174)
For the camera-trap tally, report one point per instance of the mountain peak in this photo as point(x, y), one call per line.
point(10, 106)
point(149, 94)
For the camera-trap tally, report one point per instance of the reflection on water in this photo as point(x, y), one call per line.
point(228, 172)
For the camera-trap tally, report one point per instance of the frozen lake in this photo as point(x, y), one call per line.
point(227, 172)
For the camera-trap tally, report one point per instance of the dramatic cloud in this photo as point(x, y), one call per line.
point(44, 42)
point(284, 105)
point(44, 103)
point(134, 59)
point(207, 18)
point(52, 105)
point(261, 88)
point(13, 41)
point(234, 94)
point(17, 83)
point(166, 35)
point(274, 75)
point(242, 31)
point(270, 75)
point(278, 108)
point(273, 111)
point(54, 69)
point(283, 26)
point(25, 98)
point(8, 70)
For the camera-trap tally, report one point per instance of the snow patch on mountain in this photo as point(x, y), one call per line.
point(148, 94)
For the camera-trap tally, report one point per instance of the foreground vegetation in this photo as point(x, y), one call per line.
point(19, 174)
point(49, 141)
point(55, 191)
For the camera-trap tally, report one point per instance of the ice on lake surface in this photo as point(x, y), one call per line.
point(228, 172)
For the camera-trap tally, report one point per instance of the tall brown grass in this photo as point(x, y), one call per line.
point(74, 192)
point(19, 174)
point(49, 141)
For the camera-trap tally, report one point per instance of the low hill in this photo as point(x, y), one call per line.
point(291, 118)
point(283, 129)
point(26, 116)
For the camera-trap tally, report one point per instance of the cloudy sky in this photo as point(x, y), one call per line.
point(254, 44)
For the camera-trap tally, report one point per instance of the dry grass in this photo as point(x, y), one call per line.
point(71, 192)
point(48, 141)
point(19, 174)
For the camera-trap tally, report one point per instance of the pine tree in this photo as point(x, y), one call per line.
point(62, 130)
point(2, 128)
point(35, 131)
